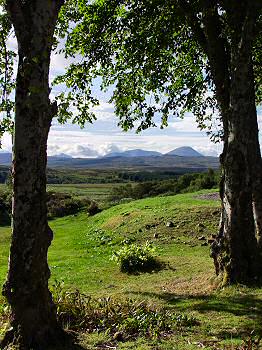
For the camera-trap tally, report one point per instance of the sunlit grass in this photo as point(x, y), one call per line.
point(81, 253)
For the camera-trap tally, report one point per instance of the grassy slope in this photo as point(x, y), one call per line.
point(81, 251)
point(88, 243)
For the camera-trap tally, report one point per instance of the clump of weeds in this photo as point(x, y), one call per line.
point(122, 319)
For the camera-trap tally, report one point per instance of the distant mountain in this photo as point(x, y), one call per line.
point(165, 162)
point(5, 158)
point(153, 162)
point(134, 153)
point(61, 155)
point(184, 152)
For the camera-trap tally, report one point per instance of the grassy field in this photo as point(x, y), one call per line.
point(97, 192)
point(80, 257)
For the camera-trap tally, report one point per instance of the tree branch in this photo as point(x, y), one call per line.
point(218, 53)
point(19, 12)
point(15, 11)
point(194, 22)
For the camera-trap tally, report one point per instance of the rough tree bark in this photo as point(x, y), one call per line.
point(257, 201)
point(236, 250)
point(239, 254)
point(33, 320)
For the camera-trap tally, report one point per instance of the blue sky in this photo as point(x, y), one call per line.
point(104, 136)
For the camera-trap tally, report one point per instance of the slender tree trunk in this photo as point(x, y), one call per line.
point(236, 253)
point(33, 320)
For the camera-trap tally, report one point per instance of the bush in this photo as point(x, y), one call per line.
point(136, 258)
point(58, 205)
point(93, 209)
point(5, 207)
point(63, 204)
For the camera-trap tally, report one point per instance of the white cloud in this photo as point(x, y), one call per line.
point(259, 120)
point(187, 124)
point(82, 151)
point(58, 63)
point(6, 142)
point(12, 43)
point(210, 149)
point(107, 148)
point(104, 107)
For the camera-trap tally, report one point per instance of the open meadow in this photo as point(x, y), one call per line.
point(96, 192)
point(80, 258)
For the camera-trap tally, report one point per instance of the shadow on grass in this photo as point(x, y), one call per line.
point(68, 341)
point(67, 347)
point(227, 316)
point(153, 266)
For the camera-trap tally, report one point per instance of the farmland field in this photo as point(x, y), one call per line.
point(97, 192)
point(80, 258)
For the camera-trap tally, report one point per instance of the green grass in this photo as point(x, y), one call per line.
point(97, 192)
point(81, 252)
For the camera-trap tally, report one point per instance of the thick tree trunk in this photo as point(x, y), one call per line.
point(236, 251)
point(34, 323)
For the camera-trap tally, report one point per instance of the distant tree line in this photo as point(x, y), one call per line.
point(62, 204)
point(184, 183)
point(77, 176)
point(141, 176)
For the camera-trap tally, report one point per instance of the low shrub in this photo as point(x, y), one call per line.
point(58, 205)
point(131, 318)
point(93, 208)
point(5, 207)
point(63, 204)
point(133, 258)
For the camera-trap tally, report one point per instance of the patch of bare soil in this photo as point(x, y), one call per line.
point(209, 196)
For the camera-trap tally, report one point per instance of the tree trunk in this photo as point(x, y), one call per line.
point(236, 253)
point(257, 203)
point(33, 320)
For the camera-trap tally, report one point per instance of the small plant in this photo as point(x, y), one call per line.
point(137, 258)
point(251, 343)
point(5, 315)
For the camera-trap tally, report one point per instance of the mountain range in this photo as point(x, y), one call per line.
point(182, 159)
point(181, 151)
point(133, 153)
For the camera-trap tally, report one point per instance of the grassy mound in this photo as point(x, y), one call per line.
point(179, 226)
